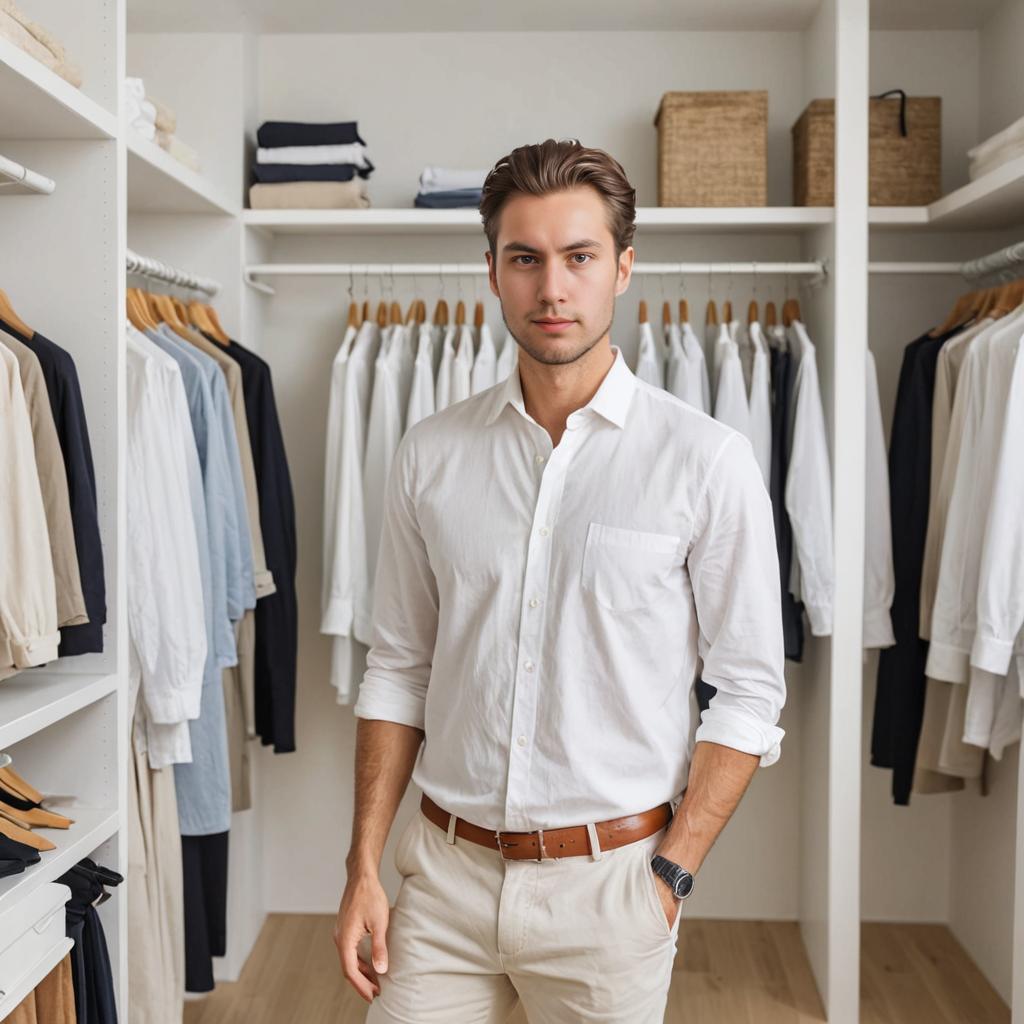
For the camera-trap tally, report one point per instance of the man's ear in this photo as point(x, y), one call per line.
point(492, 273)
point(624, 269)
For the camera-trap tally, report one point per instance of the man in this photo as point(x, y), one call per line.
point(562, 556)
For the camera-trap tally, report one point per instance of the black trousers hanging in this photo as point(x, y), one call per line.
point(204, 863)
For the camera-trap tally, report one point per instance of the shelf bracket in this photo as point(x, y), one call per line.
point(259, 286)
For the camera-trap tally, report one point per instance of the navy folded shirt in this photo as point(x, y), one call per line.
point(457, 198)
point(65, 396)
point(274, 173)
point(272, 134)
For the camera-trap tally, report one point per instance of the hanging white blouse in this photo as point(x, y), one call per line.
point(508, 359)
point(443, 385)
point(28, 595)
point(731, 406)
point(698, 390)
point(462, 366)
point(421, 396)
point(879, 576)
point(485, 365)
point(808, 494)
point(760, 401)
point(650, 357)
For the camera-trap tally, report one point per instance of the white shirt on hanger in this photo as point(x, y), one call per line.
point(443, 386)
point(421, 397)
point(760, 402)
point(508, 359)
point(650, 357)
point(675, 364)
point(809, 489)
point(485, 365)
point(731, 405)
point(617, 592)
point(462, 366)
point(879, 576)
point(698, 389)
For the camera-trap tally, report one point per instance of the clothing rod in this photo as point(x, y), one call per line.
point(1009, 260)
point(157, 270)
point(22, 178)
point(815, 269)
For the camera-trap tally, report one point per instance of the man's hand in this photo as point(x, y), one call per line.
point(669, 902)
point(364, 909)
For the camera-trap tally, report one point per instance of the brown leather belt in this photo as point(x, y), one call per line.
point(550, 843)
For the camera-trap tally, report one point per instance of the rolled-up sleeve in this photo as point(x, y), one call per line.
point(405, 606)
point(734, 571)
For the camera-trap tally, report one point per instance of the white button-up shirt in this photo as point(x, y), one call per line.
point(542, 612)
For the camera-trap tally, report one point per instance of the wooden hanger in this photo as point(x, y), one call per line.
point(220, 334)
point(711, 313)
point(382, 314)
point(752, 316)
point(478, 315)
point(366, 310)
point(17, 785)
point(643, 311)
point(1006, 299)
point(421, 312)
point(684, 311)
point(165, 309)
point(395, 313)
point(410, 317)
point(441, 313)
point(460, 313)
point(205, 318)
point(727, 312)
point(790, 311)
point(666, 314)
point(11, 318)
point(138, 312)
point(770, 316)
point(24, 835)
point(965, 307)
point(353, 315)
point(37, 817)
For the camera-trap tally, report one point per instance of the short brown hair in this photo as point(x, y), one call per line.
point(556, 166)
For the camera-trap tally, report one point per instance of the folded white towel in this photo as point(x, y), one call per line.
point(446, 179)
point(1012, 133)
point(136, 88)
point(350, 153)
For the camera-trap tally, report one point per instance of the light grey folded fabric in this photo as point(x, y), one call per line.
point(310, 195)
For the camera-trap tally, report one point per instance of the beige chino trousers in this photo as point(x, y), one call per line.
point(576, 939)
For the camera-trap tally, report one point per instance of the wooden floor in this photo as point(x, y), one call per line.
point(729, 972)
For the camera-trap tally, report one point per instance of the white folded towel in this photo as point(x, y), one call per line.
point(446, 179)
point(349, 153)
point(1011, 134)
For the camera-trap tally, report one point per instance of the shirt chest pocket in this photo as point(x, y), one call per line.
point(626, 570)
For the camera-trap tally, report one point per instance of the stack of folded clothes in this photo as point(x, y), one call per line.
point(155, 122)
point(442, 188)
point(997, 150)
point(309, 167)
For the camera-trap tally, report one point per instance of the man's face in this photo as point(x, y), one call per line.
point(556, 274)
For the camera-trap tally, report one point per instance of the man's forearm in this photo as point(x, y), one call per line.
point(385, 756)
point(718, 778)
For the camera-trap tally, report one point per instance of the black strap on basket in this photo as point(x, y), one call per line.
point(903, 106)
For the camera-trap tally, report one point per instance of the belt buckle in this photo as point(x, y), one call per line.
point(540, 844)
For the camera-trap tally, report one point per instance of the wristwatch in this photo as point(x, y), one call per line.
point(679, 880)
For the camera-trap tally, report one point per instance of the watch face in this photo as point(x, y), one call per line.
point(684, 885)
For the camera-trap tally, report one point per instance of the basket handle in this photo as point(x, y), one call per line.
point(903, 106)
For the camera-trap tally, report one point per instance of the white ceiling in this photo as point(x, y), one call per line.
point(271, 16)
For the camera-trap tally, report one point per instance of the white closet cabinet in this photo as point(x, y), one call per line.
point(816, 840)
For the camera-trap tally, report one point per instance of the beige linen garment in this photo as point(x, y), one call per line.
point(28, 602)
point(53, 482)
point(309, 195)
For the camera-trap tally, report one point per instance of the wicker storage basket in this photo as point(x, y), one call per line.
point(712, 149)
point(904, 170)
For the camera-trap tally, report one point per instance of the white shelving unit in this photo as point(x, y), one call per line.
point(157, 183)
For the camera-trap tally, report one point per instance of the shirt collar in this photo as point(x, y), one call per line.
point(611, 400)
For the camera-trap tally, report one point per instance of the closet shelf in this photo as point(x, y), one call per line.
point(382, 220)
point(31, 701)
point(36, 103)
point(11, 997)
point(93, 826)
point(157, 183)
point(995, 200)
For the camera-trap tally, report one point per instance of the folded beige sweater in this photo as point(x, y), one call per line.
point(34, 40)
point(310, 195)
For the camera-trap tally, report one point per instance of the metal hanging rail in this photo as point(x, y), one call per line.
point(816, 269)
point(1008, 262)
point(157, 270)
point(16, 178)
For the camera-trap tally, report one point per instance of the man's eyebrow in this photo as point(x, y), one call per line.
point(583, 243)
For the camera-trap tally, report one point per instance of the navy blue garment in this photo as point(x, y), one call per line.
point(68, 409)
point(277, 633)
point(273, 173)
point(782, 378)
point(899, 699)
point(455, 199)
point(272, 134)
point(91, 975)
point(204, 863)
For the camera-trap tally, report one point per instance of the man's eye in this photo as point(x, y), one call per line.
point(585, 255)
point(514, 258)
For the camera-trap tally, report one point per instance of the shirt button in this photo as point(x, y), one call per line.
point(534, 602)
point(538, 458)
point(543, 531)
point(521, 741)
point(528, 666)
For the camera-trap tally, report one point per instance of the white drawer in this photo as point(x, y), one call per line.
point(30, 929)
